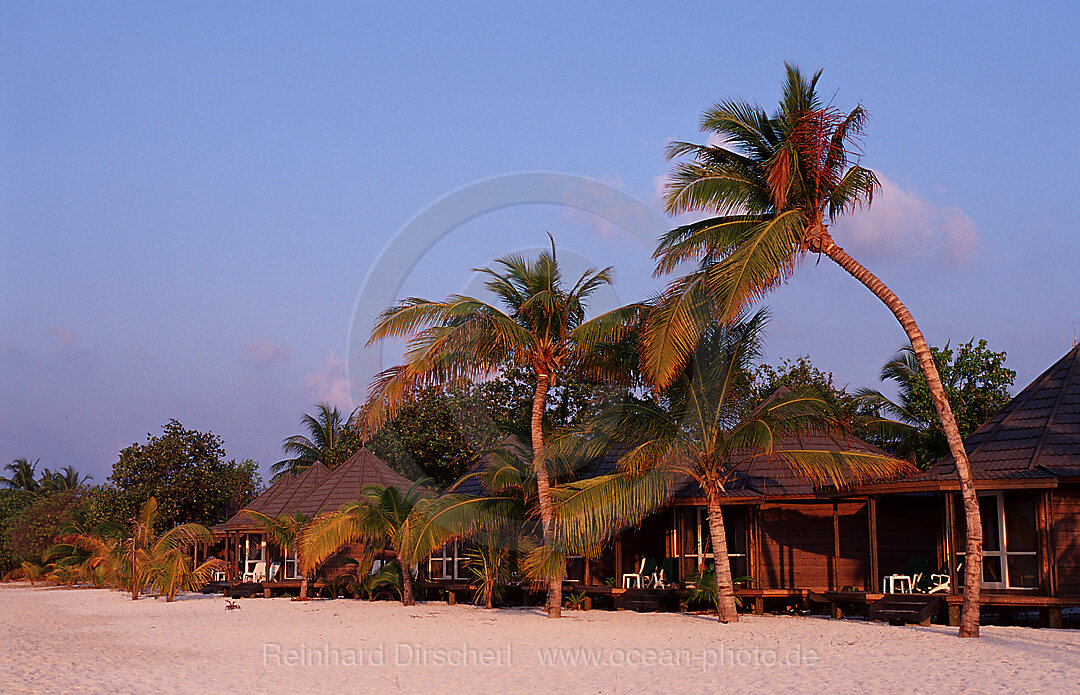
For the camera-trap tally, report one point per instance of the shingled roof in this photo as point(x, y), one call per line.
point(1036, 434)
point(770, 476)
point(319, 489)
point(766, 476)
point(472, 483)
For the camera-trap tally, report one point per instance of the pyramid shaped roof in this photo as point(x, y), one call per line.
point(1036, 434)
point(319, 489)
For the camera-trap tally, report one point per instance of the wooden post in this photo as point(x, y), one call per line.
point(680, 535)
point(835, 578)
point(618, 560)
point(1042, 505)
point(1050, 616)
point(950, 555)
point(954, 614)
point(752, 559)
point(759, 546)
point(1051, 543)
point(875, 571)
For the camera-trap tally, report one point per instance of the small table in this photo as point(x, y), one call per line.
point(630, 578)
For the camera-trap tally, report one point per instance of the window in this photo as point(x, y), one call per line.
point(446, 564)
point(1010, 540)
point(291, 570)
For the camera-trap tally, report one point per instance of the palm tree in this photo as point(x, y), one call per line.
point(285, 532)
point(541, 326)
point(23, 475)
point(705, 427)
point(143, 560)
point(376, 520)
point(67, 478)
point(328, 429)
point(501, 521)
point(774, 185)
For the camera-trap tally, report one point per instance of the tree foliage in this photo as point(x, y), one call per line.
point(186, 471)
point(13, 505)
point(440, 431)
point(32, 531)
point(976, 382)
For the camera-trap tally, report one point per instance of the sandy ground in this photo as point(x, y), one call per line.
point(94, 641)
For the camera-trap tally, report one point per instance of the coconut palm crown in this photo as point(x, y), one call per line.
point(327, 429)
point(541, 324)
point(772, 185)
point(376, 519)
point(705, 427)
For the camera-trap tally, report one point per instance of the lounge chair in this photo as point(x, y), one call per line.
point(272, 575)
point(664, 576)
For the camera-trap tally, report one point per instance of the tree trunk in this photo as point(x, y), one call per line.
point(543, 489)
point(136, 580)
point(969, 619)
point(303, 587)
point(726, 611)
point(407, 598)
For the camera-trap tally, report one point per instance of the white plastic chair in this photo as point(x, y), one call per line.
point(256, 574)
point(275, 567)
point(634, 578)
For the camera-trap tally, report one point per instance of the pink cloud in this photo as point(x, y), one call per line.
point(64, 336)
point(327, 383)
point(900, 224)
point(265, 351)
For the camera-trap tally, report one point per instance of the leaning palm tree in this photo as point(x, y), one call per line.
point(705, 427)
point(541, 325)
point(23, 475)
point(285, 532)
point(774, 185)
point(327, 430)
point(376, 520)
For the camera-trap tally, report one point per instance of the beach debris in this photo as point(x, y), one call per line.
point(231, 605)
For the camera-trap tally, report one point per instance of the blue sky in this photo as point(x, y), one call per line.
point(191, 197)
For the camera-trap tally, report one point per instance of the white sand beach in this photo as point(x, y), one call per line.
point(58, 640)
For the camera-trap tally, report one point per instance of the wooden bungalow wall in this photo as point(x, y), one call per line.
point(1065, 509)
point(797, 546)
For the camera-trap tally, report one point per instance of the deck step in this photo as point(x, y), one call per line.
point(905, 608)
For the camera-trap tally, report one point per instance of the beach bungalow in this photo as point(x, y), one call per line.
point(243, 544)
point(790, 542)
point(1026, 465)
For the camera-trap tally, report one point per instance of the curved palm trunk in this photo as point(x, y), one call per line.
point(303, 587)
point(726, 611)
point(969, 620)
point(543, 488)
point(407, 596)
